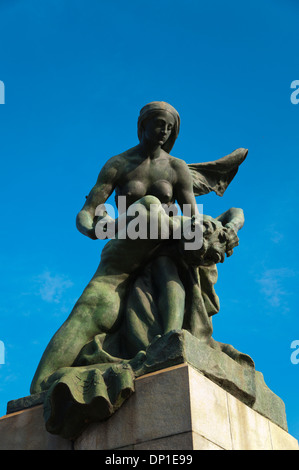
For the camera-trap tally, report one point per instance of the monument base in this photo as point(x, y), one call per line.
point(69, 410)
point(177, 408)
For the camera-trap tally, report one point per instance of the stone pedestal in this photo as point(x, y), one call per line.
point(25, 430)
point(177, 408)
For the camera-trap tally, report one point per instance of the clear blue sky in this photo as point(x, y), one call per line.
point(76, 74)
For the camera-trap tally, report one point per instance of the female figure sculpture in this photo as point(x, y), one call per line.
point(143, 288)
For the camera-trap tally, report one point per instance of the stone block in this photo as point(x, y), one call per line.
point(177, 408)
point(209, 410)
point(160, 404)
point(281, 440)
point(25, 430)
point(180, 409)
point(249, 429)
point(176, 441)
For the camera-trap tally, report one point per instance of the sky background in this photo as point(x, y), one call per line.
point(76, 75)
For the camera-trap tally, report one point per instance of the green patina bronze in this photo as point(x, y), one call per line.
point(147, 294)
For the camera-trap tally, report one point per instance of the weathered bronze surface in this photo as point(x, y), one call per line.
point(149, 293)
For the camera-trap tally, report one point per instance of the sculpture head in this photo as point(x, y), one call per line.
point(164, 111)
point(215, 245)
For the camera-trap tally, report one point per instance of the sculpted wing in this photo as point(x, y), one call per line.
point(216, 176)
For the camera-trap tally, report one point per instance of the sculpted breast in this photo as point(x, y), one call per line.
point(162, 189)
point(134, 190)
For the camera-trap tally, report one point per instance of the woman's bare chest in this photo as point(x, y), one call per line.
point(154, 178)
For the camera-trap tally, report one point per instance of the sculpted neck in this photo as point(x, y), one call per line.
point(149, 150)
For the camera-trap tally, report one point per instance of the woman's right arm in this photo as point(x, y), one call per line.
point(107, 180)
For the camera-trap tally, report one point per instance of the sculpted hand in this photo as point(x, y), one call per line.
point(232, 239)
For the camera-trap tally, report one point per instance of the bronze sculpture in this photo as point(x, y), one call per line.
point(144, 290)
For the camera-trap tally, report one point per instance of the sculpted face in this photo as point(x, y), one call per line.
point(157, 128)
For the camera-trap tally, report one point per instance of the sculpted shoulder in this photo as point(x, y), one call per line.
point(116, 165)
point(177, 163)
point(180, 168)
point(122, 158)
point(116, 161)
